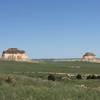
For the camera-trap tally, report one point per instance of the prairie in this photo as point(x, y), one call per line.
point(31, 81)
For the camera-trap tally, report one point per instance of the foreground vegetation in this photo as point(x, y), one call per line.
point(23, 81)
point(27, 88)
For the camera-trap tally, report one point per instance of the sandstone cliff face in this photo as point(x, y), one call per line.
point(89, 57)
point(14, 54)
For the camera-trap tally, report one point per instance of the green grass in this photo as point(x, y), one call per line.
point(31, 85)
point(61, 67)
point(35, 89)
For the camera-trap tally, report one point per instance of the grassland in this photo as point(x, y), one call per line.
point(60, 67)
point(32, 84)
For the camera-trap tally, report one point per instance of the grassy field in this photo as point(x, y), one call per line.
point(60, 67)
point(32, 85)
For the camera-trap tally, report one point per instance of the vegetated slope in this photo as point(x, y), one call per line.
point(60, 67)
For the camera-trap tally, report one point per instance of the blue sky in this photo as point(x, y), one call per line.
point(51, 28)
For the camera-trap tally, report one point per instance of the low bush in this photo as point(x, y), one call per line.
point(98, 77)
point(51, 77)
point(89, 77)
point(78, 76)
point(93, 77)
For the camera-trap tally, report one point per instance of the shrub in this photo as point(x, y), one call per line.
point(93, 77)
point(51, 77)
point(98, 77)
point(89, 77)
point(11, 80)
point(8, 79)
point(78, 76)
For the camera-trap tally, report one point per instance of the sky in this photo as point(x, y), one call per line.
point(50, 28)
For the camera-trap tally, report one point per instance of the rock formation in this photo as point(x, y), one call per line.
point(14, 54)
point(89, 57)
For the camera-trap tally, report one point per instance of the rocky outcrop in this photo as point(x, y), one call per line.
point(14, 54)
point(89, 57)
